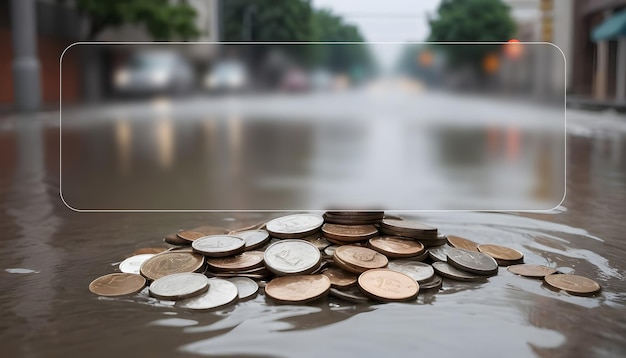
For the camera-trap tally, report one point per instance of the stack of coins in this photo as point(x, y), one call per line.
point(353, 256)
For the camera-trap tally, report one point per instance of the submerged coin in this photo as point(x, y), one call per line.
point(349, 232)
point(439, 253)
point(117, 284)
point(472, 261)
point(190, 235)
point(501, 252)
point(220, 293)
point(391, 246)
point(535, 271)
point(340, 278)
point(462, 243)
point(253, 238)
point(179, 286)
point(294, 226)
point(351, 295)
point(173, 239)
point(298, 288)
point(290, 257)
point(358, 259)
point(219, 245)
point(418, 271)
point(169, 263)
point(451, 272)
point(573, 284)
point(133, 263)
point(246, 287)
point(388, 285)
point(245, 261)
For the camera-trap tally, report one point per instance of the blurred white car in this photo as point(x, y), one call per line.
point(227, 76)
point(154, 72)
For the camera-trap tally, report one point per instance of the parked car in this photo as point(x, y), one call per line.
point(227, 76)
point(154, 72)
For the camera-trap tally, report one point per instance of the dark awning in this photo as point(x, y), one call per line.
point(611, 28)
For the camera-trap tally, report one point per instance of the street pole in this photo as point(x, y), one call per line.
point(26, 81)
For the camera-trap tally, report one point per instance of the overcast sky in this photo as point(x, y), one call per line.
point(385, 20)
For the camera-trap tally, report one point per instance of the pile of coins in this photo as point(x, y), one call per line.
point(356, 256)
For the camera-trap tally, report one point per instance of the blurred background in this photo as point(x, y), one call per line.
point(359, 112)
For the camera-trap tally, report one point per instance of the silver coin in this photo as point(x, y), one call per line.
point(246, 287)
point(220, 293)
point(253, 238)
point(418, 271)
point(439, 253)
point(219, 245)
point(290, 257)
point(179, 286)
point(472, 261)
point(330, 250)
point(446, 270)
point(133, 263)
point(297, 225)
point(434, 282)
point(350, 295)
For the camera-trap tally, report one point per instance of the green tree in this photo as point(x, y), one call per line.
point(164, 19)
point(471, 21)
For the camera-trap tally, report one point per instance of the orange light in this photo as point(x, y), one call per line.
point(491, 63)
point(513, 49)
point(425, 58)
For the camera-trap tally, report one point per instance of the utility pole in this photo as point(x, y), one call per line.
point(26, 81)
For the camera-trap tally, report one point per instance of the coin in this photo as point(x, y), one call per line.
point(173, 239)
point(349, 232)
point(388, 285)
point(297, 288)
point(290, 257)
point(253, 238)
point(535, 271)
point(418, 271)
point(253, 227)
point(294, 226)
point(358, 259)
point(572, 284)
point(330, 250)
point(220, 293)
point(340, 278)
point(407, 225)
point(169, 263)
point(392, 246)
point(246, 287)
point(351, 295)
point(503, 255)
point(421, 257)
point(244, 261)
point(179, 286)
point(149, 250)
point(117, 284)
point(462, 243)
point(318, 242)
point(133, 263)
point(439, 253)
point(446, 270)
point(472, 261)
point(434, 282)
point(208, 230)
point(219, 245)
point(190, 235)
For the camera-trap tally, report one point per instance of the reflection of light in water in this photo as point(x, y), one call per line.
point(123, 143)
point(209, 127)
point(234, 142)
point(164, 139)
point(161, 104)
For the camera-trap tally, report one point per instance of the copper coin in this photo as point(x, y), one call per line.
point(358, 259)
point(451, 272)
point(169, 263)
point(349, 232)
point(221, 293)
point(573, 284)
point(190, 235)
point(149, 250)
point(392, 246)
point(439, 253)
point(179, 286)
point(501, 252)
point(472, 261)
point(462, 243)
point(117, 284)
point(219, 245)
point(133, 263)
point(173, 239)
point(406, 225)
point(388, 285)
point(417, 235)
point(339, 242)
point(418, 271)
point(253, 238)
point(421, 257)
point(535, 271)
point(245, 261)
point(340, 278)
point(352, 294)
point(294, 226)
point(298, 288)
point(210, 230)
point(291, 257)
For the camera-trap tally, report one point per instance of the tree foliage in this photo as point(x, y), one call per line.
point(164, 19)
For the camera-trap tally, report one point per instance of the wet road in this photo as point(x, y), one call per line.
point(49, 254)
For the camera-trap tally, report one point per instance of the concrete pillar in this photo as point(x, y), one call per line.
point(620, 90)
point(26, 80)
point(602, 70)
